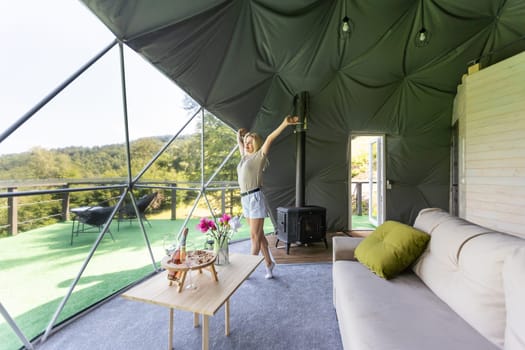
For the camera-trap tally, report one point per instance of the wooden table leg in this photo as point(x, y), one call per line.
point(205, 331)
point(195, 320)
point(214, 272)
point(182, 278)
point(227, 318)
point(170, 331)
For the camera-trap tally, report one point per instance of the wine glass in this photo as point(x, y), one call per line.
point(189, 262)
point(169, 244)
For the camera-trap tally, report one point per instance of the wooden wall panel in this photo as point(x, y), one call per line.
point(492, 135)
point(458, 118)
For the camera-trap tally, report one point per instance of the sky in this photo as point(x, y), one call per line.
point(46, 42)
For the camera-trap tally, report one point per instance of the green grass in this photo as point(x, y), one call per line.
point(361, 223)
point(38, 267)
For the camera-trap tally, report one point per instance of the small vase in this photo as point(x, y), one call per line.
point(221, 248)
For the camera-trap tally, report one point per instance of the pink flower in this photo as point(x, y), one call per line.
point(222, 230)
point(204, 225)
point(224, 219)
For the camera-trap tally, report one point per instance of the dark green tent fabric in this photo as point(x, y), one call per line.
point(245, 61)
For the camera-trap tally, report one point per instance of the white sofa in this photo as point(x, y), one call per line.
point(466, 291)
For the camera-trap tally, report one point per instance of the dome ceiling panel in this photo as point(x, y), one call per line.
point(220, 51)
point(245, 60)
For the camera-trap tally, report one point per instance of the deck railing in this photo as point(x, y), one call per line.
point(60, 191)
point(51, 192)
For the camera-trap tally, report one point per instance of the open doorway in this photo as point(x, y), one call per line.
point(366, 175)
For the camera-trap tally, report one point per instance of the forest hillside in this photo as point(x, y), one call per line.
point(180, 163)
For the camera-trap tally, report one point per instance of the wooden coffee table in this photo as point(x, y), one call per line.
point(205, 300)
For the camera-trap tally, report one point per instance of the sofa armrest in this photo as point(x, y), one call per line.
point(343, 247)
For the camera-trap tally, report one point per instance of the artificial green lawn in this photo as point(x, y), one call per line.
point(38, 267)
point(361, 223)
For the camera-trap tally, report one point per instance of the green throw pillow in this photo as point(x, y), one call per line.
point(391, 248)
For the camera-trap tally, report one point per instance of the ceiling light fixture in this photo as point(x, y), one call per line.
point(345, 27)
point(423, 35)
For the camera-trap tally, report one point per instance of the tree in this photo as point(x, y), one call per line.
point(180, 163)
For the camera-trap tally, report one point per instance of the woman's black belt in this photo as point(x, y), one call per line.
point(250, 192)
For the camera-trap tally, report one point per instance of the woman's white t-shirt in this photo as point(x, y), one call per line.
point(250, 169)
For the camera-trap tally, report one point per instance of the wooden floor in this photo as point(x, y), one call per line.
point(310, 253)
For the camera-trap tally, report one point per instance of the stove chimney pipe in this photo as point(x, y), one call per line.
point(301, 109)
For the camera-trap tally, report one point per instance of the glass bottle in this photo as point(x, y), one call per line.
point(179, 255)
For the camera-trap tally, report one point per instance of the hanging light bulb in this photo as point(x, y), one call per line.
point(422, 37)
point(345, 27)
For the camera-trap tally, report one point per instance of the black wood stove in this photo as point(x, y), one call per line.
point(301, 224)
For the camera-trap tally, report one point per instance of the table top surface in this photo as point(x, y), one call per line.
point(209, 295)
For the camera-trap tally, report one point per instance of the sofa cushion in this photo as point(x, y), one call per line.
point(428, 219)
point(514, 286)
point(449, 237)
point(462, 264)
point(397, 314)
point(344, 247)
point(391, 248)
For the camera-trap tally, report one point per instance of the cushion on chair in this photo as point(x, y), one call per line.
point(391, 248)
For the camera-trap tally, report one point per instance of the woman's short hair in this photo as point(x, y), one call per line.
point(257, 140)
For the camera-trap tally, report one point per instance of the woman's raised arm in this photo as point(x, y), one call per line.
point(240, 139)
point(288, 120)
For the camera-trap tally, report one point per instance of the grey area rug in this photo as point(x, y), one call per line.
point(293, 310)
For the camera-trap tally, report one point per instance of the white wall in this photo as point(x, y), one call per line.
point(490, 109)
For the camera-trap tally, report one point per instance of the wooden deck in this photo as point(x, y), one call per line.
point(311, 253)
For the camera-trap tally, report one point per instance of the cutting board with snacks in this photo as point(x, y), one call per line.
point(192, 260)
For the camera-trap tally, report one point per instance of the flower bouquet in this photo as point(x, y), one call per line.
point(221, 233)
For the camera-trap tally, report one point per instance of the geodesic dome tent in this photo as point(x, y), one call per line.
point(389, 67)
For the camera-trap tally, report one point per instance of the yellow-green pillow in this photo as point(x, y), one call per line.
point(391, 248)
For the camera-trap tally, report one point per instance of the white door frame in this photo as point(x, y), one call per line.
point(381, 176)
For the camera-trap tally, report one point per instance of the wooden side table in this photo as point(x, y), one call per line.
point(206, 300)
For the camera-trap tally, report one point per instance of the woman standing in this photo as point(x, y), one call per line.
point(253, 162)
